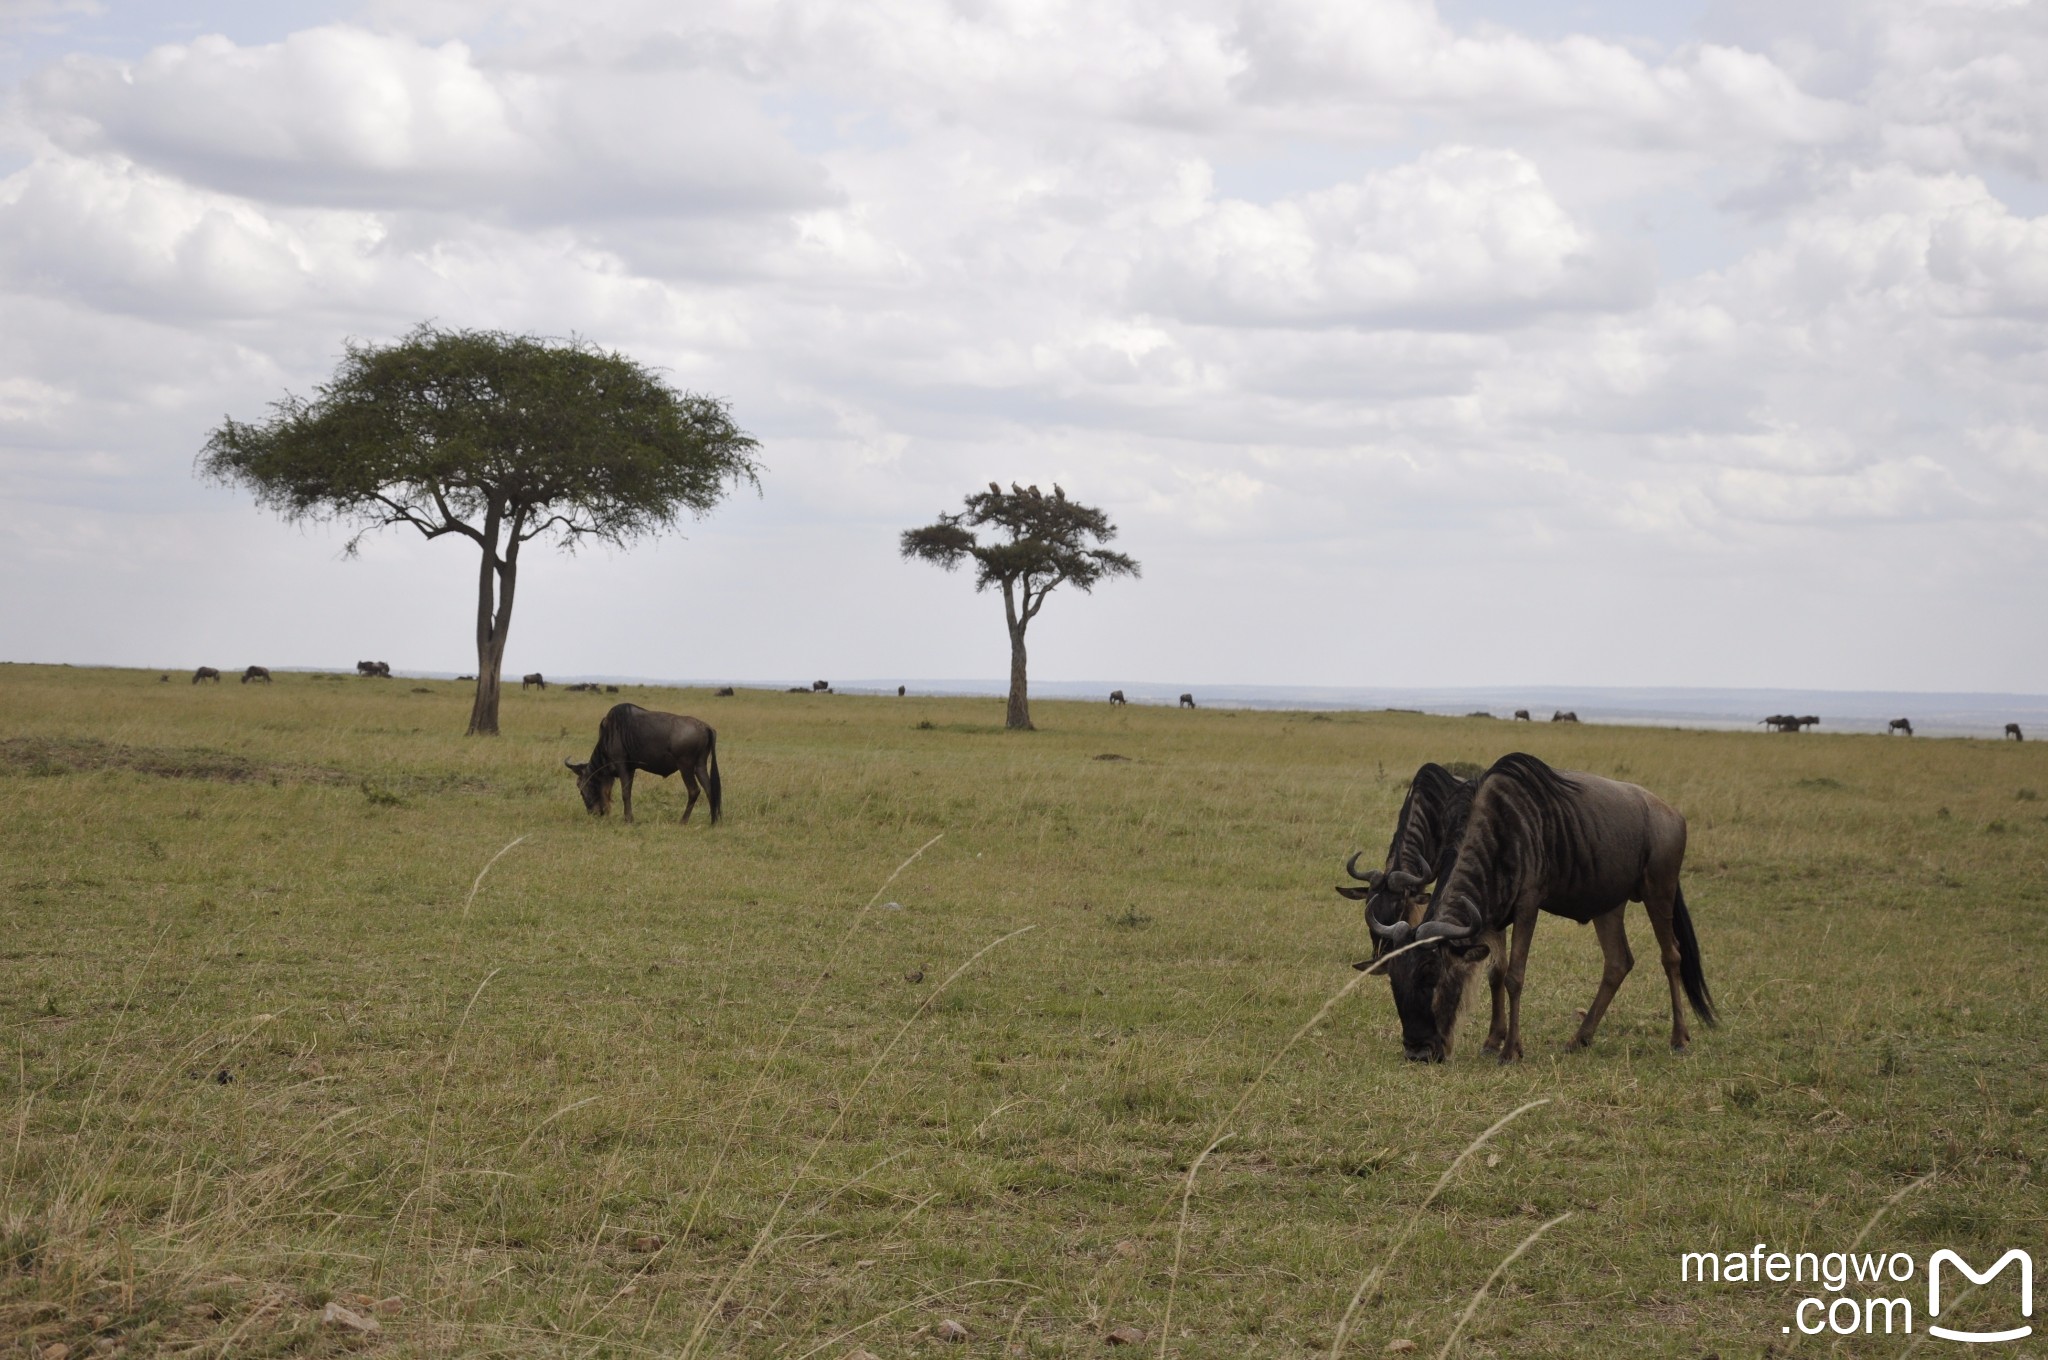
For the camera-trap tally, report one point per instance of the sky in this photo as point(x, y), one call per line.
point(1407, 343)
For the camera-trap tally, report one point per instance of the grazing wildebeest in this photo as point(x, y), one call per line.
point(1431, 821)
point(722, 692)
point(611, 689)
point(1899, 725)
point(1782, 722)
point(1564, 715)
point(1522, 715)
point(1187, 701)
point(256, 673)
point(206, 673)
point(1116, 698)
point(378, 669)
point(2013, 730)
point(1575, 845)
point(634, 738)
point(529, 681)
point(821, 686)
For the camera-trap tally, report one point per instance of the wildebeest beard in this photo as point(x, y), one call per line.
point(594, 780)
point(1432, 985)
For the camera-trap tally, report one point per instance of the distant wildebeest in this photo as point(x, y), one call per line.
point(1431, 821)
point(1564, 715)
point(1809, 721)
point(722, 692)
point(465, 677)
point(582, 687)
point(902, 690)
point(1782, 722)
point(1116, 698)
point(634, 738)
point(1522, 715)
point(529, 681)
point(378, 669)
point(821, 686)
point(799, 689)
point(256, 673)
point(1575, 845)
point(164, 679)
point(1479, 715)
point(1899, 725)
point(611, 689)
point(2013, 730)
point(206, 673)
point(1187, 701)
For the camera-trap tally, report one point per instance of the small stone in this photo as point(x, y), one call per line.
point(347, 1319)
point(56, 1350)
point(1398, 1345)
point(1125, 1336)
point(890, 906)
point(1493, 1159)
point(949, 1330)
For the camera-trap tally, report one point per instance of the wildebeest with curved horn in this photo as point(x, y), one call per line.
point(1575, 845)
point(1431, 821)
point(1187, 701)
point(206, 673)
point(256, 673)
point(528, 681)
point(1116, 698)
point(633, 738)
point(2013, 730)
point(1899, 725)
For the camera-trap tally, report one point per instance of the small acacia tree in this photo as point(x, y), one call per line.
point(1040, 543)
point(496, 438)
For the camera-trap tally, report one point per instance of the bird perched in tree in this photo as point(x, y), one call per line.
point(1058, 493)
point(994, 489)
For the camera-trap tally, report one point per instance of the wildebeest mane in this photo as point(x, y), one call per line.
point(1433, 817)
point(1534, 821)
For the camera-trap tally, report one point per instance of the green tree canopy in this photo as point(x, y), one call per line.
point(1039, 543)
point(496, 438)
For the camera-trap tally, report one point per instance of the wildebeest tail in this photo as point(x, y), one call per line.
point(711, 775)
point(1689, 970)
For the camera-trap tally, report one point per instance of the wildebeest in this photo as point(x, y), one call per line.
point(1187, 701)
point(1899, 725)
point(256, 673)
point(1575, 845)
point(1116, 698)
point(379, 669)
point(1564, 715)
point(1479, 715)
point(2013, 730)
point(583, 687)
point(1782, 722)
point(1431, 821)
point(465, 677)
point(902, 690)
point(722, 692)
point(206, 673)
point(821, 686)
point(611, 689)
point(634, 738)
point(529, 681)
point(1522, 715)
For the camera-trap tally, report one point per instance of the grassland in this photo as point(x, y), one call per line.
point(668, 1090)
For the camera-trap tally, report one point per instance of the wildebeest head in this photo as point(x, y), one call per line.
point(1430, 981)
point(594, 782)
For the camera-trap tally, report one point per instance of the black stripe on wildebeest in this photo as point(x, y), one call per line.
point(1542, 840)
point(633, 738)
point(1425, 838)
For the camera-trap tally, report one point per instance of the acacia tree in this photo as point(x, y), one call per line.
point(496, 438)
point(1041, 543)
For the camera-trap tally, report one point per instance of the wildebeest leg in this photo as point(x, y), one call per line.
point(1518, 964)
point(1657, 902)
point(1613, 936)
point(690, 783)
point(626, 789)
point(1497, 1031)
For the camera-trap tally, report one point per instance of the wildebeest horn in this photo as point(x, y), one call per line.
point(569, 764)
point(1402, 881)
point(1370, 876)
point(1394, 935)
point(1445, 930)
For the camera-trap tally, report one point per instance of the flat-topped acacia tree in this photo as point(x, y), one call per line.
point(496, 438)
point(1040, 543)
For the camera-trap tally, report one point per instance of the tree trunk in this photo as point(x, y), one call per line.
point(1018, 717)
point(495, 581)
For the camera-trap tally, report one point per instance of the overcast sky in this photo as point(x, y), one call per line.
point(1462, 343)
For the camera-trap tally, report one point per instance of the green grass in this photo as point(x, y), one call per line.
point(657, 1083)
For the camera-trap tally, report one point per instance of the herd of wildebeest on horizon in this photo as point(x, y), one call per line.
point(1472, 864)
